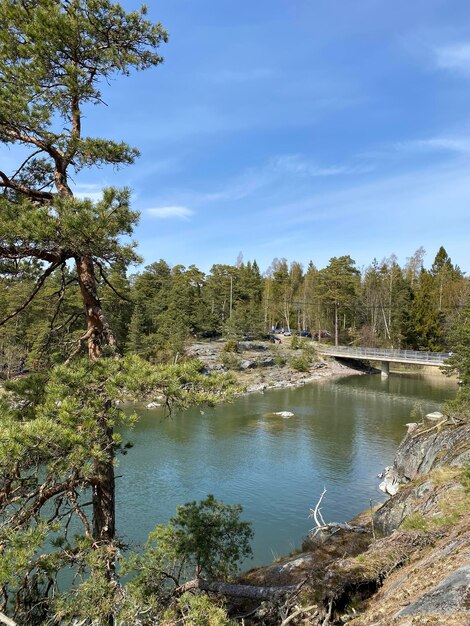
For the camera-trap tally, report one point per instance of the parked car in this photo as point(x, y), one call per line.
point(304, 333)
point(287, 333)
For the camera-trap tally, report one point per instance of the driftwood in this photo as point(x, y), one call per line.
point(301, 611)
point(236, 591)
point(322, 526)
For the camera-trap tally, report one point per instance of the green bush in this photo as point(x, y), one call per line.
point(300, 363)
point(279, 359)
point(309, 351)
point(199, 610)
point(295, 342)
point(231, 361)
point(231, 345)
point(415, 521)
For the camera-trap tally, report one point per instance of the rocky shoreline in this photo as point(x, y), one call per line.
point(261, 365)
point(406, 563)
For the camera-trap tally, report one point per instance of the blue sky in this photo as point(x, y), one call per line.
point(303, 129)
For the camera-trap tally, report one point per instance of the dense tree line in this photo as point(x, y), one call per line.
point(156, 312)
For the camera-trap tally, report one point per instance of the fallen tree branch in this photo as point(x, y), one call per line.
point(327, 619)
point(428, 430)
point(236, 591)
point(335, 526)
point(322, 526)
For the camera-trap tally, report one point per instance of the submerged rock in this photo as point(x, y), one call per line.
point(153, 405)
point(284, 414)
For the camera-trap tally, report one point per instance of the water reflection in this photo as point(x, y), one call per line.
point(342, 433)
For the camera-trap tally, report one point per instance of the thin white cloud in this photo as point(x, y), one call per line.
point(89, 191)
point(295, 164)
point(455, 57)
point(279, 169)
point(171, 212)
point(460, 144)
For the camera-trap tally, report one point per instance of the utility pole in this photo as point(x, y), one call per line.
point(231, 295)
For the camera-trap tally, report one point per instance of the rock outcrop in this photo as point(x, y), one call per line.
point(417, 572)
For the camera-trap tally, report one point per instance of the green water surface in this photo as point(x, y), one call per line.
point(343, 433)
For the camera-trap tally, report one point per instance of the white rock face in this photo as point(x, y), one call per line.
point(153, 405)
point(434, 417)
point(284, 414)
point(391, 482)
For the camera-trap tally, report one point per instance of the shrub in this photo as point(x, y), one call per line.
point(300, 363)
point(295, 342)
point(231, 345)
point(231, 361)
point(415, 521)
point(279, 359)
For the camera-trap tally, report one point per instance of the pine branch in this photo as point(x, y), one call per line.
point(34, 194)
point(105, 278)
point(39, 285)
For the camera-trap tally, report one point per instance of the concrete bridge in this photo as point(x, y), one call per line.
point(412, 357)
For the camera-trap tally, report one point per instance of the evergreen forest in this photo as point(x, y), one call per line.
point(157, 312)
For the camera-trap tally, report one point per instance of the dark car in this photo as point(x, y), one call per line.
point(304, 333)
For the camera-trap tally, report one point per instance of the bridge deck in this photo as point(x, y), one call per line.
point(414, 357)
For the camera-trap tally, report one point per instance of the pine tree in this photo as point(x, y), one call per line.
point(54, 57)
point(339, 286)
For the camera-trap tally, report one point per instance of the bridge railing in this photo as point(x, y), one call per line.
point(380, 353)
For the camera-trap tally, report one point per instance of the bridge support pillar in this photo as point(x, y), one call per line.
point(384, 369)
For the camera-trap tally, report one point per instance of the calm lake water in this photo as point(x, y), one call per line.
point(343, 433)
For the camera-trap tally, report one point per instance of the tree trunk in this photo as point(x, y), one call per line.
point(237, 591)
point(104, 504)
point(98, 329)
point(336, 326)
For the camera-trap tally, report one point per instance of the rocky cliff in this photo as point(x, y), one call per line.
point(411, 567)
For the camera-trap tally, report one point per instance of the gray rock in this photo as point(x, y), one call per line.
point(449, 596)
point(153, 405)
point(292, 565)
point(418, 454)
point(255, 388)
point(284, 414)
point(247, 365)
point(266, 362)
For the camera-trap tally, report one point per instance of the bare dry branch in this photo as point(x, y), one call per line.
point(106, 280)
point(6, 620)
point(300, 611)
